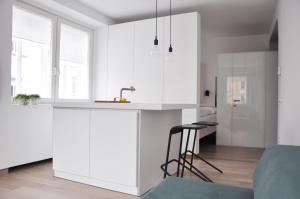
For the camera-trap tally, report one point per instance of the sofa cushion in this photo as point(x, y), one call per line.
point(277, 175)
point(179, 188)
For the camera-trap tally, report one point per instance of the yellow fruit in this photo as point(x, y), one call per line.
point(123, 100)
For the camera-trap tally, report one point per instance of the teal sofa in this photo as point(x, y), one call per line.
point(277, 176)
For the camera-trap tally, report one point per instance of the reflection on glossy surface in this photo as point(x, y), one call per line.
point(237, 90)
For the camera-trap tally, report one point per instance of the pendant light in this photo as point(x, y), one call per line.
point(170, 54)
point(170, 47)
point(155, 49)
point(156, 40)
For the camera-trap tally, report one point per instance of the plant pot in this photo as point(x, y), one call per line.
point(24, 102)
point(34, 101)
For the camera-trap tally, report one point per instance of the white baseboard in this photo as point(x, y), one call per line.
point(98, 183)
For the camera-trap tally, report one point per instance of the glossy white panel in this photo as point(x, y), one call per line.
point(248, 117)
point(242, 99)
point(224, 110)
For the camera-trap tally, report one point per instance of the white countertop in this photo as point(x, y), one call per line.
point(124, 106)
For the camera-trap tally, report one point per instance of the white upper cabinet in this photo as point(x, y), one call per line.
point(148, 69)
point(182, 71)
point(120, 59)
point(157, 78)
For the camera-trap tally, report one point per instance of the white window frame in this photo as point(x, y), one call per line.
point(55, 51)
point(91, 53)
point(53, 18)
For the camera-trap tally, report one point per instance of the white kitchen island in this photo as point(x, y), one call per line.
point(112, 145)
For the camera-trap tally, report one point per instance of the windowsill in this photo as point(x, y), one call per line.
point(32, 105)
point(40, 102)
point(49, 103)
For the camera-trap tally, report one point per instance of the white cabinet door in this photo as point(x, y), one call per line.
point(248, 110)
point(182, 69)
point(114, 153)
point(120, 59)
point(71, 141)
point(241, 99)
point(224, 112)
point(148, 70)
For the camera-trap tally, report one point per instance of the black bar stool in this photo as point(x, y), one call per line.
point(206, 123)
point(181, 161)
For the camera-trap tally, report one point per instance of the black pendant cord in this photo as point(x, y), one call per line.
point(156, 40)
point(156, 19)
point(170, 48)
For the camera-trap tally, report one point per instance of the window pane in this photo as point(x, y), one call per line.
point(31, 54)
point(73, 63)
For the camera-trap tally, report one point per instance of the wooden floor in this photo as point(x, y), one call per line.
point(36, 181)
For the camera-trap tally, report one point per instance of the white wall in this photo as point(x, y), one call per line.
point(212, 46)
point(25, 132)
point(289, 60)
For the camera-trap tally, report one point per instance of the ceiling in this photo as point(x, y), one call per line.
point(219, 17)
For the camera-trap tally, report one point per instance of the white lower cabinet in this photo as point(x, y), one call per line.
point(98, 144)
point(113, 147)
point(71, 141)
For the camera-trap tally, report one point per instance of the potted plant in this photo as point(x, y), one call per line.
point(22, 99)
point(34, 99)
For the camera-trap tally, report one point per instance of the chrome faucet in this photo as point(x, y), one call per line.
point(126, 89)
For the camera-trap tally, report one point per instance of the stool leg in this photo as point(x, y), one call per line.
point(199, 146)
point(167, 157)
point(193, 150)
point(179, 154)
point(185, 152)
point(213, 166)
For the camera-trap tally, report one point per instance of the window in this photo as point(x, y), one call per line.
point(42, 43)
point(31, 54)
point(74, 67)
point(237, 90)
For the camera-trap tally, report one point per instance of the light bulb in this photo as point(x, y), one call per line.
point(155, 51)
point(170, 54)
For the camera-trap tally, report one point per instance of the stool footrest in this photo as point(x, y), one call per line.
point(182, 162)
point(189, 167)
point(211, 165)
